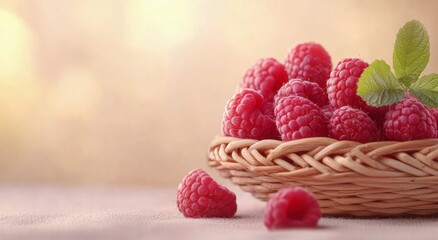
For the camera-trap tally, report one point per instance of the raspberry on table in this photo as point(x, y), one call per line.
point(298, 117)
point(199, 196)
point(292, 207)
point(266, 77)
point(409, 120)
point(342, 85)
point(352, 124)
point(248, 115)
point(309, 61)
point(302, 88)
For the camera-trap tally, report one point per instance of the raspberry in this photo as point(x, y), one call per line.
point(247, 115)
point(199, 196)
point(306, 89)
point(342, 85)
point(298, 117)
point(353, 124)
point(327, 110)
point(266, 77)
point(268, 109)
point(434, 112)
point(292, 207)
point(309, 61)
point(409, 120)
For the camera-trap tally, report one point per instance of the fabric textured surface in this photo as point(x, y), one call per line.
point(151, 213)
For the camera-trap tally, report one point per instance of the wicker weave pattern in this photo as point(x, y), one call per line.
point(347, 178)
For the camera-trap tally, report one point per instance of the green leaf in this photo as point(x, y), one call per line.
point(426, 90)
point(407, 80)
point(378, 86)
point(411, 50)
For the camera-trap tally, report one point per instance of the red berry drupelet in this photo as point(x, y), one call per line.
point(309, 61)
point(292, 207)
point(298, 117)
point(327, 110)
point(342, 85)
point(409, 120)
point(247, 115)
point(434, 112)
point(352, 124)
point(306, 89)
point(266, 77)
point(199, 196)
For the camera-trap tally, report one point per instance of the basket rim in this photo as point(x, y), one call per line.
point(280, 146)
point(328, 156)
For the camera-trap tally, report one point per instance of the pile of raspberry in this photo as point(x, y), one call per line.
point(305, 97)
point(302, 98)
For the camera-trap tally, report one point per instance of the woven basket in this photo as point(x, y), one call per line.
point(347, 178)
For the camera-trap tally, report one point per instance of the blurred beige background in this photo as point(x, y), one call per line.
point(132, 92)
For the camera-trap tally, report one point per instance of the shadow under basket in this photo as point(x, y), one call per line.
point(348, 178)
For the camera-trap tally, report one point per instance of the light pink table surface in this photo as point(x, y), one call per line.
point(145, 213)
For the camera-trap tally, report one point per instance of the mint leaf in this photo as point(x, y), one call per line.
point(408, 79)
point(426, 90)
point(378, 86)
point(411, 50)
